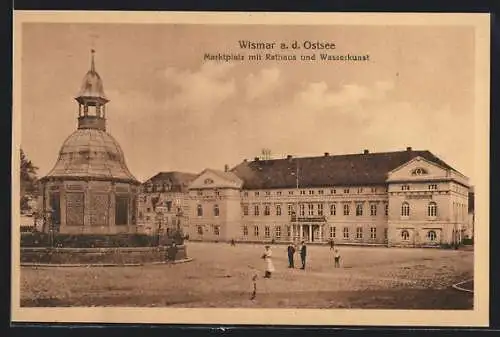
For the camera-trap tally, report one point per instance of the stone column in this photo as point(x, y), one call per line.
point(292, 236)
point(301, 233)
point(310, 233)
point(320, 233)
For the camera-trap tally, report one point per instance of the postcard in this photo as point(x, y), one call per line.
point(251, 168)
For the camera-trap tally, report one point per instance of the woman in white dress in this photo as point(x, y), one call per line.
point(267, 256)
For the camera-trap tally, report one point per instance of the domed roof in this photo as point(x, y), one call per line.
point(91, 153)
point(92, 86)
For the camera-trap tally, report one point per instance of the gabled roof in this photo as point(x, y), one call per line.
point(229, 179)
point(328, 170)
point(179, 180)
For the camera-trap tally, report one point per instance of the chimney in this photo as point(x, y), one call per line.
point(366, 151)
point(226, 168)
point(256, 159)
point(326, 154)
point(408, 149)
point(288, 157)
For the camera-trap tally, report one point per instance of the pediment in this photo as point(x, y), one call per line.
point(417, 169)
point(211, 179)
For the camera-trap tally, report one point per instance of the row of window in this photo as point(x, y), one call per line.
point(431, 187)
point(431, 235)
point(312, 192)
point(359, 232)
point(431, 209)
point(313, 209)
point(215, 229)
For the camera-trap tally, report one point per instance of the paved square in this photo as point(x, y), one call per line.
point(221, 276)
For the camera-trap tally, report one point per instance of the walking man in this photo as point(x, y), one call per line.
point(337, 258)
point(291, 252)
point(303, 255)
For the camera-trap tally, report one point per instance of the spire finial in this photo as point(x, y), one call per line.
point(92, 65)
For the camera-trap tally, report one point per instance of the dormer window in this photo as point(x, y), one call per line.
point(419, 171)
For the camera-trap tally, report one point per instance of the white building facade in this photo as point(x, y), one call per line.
point(405, 198)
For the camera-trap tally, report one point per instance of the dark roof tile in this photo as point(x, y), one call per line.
point(323, 171)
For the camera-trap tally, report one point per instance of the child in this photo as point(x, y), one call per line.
point(337, 258)
point(254, 293)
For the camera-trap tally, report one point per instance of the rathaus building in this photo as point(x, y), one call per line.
point(403, 198)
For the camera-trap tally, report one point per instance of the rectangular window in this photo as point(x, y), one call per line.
point(433, 187)
point(346, 209)
point(199, 210)
point(320, 209)
point(267, 210)
point(346, 191)
point(200, 230)
point(310, 208)
point(288, 231)
point(245, 209)
point(268, 193)
point(278, 193)
point(374, 189)
point(332, 232)
point(373, 232)
point(359, 233)
point(346, 233)
point(385, 233)
point(277, 232)
point(359, 209)
point(373, 209)
point(245, 194)
point(290, 192)
point(302, 210)
point(278, 210)
point(256, 194)
point(386, 209)
point(290, 209)
point(405, 187)
point(216, 210)
point(320, 192)
point(217, 193)
point(360, 190)
point(311, 192)
point(267, 232)
point(121, 210)
point(302, 192)
point(256, 210)
point(333, 191)
point(333, 209)
point(245, 230)
point(255, 231)
point(216, 230)
point(200, 193)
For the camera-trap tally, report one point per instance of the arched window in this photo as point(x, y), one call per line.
point(432, 209)
point(405, 209)
point(200, 210)
point(216, 210)
point(419, 171)
point(405, 235)
point(431, 235)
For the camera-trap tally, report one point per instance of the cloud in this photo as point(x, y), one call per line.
point(264, 83)
point(318, 96)
point(199, 93)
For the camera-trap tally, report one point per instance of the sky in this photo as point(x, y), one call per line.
point(171, 110)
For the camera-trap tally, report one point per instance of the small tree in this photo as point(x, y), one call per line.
point(29, 181)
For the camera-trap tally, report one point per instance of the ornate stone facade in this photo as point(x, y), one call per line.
point(90, 189)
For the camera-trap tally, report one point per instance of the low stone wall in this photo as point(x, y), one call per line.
point(135, 255)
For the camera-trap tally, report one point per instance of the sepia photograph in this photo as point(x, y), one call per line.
point(251, 168)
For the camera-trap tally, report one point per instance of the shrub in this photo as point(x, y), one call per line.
point(38, 239)
point(468, 241)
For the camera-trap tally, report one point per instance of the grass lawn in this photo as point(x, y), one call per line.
point(220, 276)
